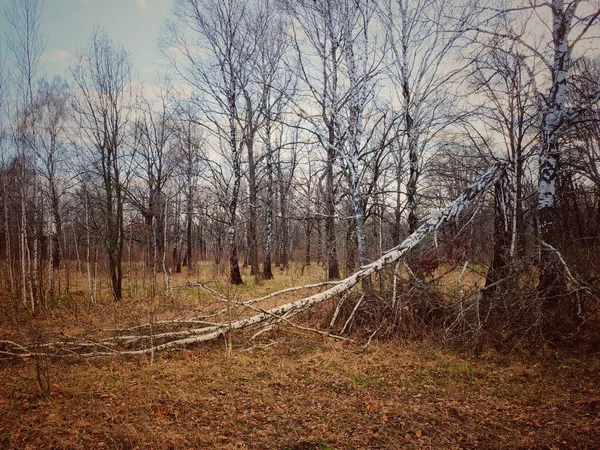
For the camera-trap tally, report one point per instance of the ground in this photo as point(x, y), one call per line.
point(297, 390)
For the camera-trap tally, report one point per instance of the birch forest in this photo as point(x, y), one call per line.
point(316, 194)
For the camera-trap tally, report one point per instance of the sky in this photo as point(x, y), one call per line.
point(67, 26)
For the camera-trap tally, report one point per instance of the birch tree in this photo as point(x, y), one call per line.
point(275, 85)
point(425, 38)
point(209, 47)
point(318, 34)
point(571, 23)
point(51, 115)
point(360, 71)
point(4, 182)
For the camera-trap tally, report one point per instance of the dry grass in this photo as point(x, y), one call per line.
point(305, 392)
point(291, 390)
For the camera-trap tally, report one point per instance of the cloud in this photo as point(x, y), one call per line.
point(56, 56)
point(141, 4)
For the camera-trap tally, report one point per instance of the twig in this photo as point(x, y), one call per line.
point(352, 314)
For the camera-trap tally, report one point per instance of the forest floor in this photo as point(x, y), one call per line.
point(290, 389)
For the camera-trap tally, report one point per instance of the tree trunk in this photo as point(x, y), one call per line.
point(7, 240)
point(285, 258)
point(500, 265)
point(252, 219)
point(352, 163)
point(189, 225)
point(308, 226)
point(330, 235)
point(519, 224)
point(23, 248)
point(267, 269)
point(235, 276)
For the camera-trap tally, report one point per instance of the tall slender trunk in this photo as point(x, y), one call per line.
point(350, 248)
point(413, 177)
point(267, 269)
point(23, 248)
point(320, 246)
point(519, 224)
point(118, 286)
point(410, 126)
point(284, 225)
point(76, 243)
point(7, 240)
point(36, 276)
point(166, 270)
point(189, 226)
point(396, 235)
point(352, 152)
point(88, 252)
point(330, 235)
point(308, 226)
point(252, 198)
point(235, 276)
point(50, 243)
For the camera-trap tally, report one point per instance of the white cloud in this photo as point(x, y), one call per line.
point(56, 56)
point(142, 4)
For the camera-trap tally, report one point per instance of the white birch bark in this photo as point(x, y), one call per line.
point(351, 151)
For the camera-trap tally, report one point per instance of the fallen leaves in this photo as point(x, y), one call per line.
point(272, 400)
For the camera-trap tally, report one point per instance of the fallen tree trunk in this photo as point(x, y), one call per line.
point(436, 219)
point(110, 347)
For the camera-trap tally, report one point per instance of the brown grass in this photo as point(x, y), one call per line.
point(305, 390)
point(290, 390)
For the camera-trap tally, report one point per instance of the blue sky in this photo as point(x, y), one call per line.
point(68, 24)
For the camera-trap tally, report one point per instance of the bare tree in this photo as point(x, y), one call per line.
point(190, 166)
point(274, 85)
point(155, 167)
point(210, 47)
point(4, 182)
point(425, 35)
point(568, 29)
point(102, 107)
point(26, 43)
point(318, 34)
point(503, 126)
